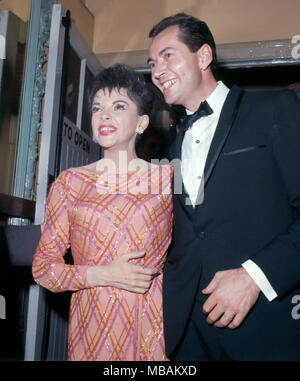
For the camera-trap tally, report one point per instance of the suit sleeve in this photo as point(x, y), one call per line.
point(49, 268)
point(280, 259)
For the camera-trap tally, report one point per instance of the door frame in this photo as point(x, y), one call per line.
point(37, 306)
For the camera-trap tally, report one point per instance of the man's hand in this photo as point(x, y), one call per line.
point(122, 274)
point(232, 294)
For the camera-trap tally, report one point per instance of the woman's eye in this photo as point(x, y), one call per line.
point(95, 109)
point(120, 106)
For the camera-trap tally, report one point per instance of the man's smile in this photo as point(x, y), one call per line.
point(168, 83)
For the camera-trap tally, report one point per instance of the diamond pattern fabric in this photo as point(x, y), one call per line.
point(101, 218)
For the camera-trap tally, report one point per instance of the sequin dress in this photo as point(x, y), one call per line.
point(101, 218)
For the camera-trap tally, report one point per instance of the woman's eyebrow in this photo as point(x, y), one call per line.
point(119, 100)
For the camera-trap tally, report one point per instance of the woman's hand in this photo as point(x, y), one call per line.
point(122, 274)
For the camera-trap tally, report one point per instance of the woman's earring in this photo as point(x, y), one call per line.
point(139, 131)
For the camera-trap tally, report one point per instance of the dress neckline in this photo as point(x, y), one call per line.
point(138, 173)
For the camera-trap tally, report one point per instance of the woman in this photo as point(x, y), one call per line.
point(116, 214)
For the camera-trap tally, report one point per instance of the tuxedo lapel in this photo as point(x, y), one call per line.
point(226, 121)
point(175, 148)
point(175, 153)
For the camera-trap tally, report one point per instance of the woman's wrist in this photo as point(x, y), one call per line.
point(95, 276)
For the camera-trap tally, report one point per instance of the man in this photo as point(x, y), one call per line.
point(232, 274)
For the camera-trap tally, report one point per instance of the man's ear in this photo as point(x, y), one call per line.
point(205, 56)
point(142, 124)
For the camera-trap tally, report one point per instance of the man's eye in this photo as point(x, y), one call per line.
point(151, 65)
point(120, 106)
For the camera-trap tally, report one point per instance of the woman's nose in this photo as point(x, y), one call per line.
point(105, 115)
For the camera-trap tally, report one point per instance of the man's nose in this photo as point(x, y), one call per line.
point(159, 70)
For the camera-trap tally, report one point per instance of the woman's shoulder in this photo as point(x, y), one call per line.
point(89, 169)
point(82, 173)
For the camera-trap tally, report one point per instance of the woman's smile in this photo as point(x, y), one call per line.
point(106, 130)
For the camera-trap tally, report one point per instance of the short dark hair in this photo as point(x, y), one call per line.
point(193, 33)
point(120, 76)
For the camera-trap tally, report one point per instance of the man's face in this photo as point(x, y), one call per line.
point(175, 69)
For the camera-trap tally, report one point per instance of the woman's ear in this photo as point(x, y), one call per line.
point(205, 56)
point(142, 124)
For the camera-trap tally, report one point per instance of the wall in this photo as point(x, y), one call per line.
point(20, 8)
point(81, 17)
point(123, 25)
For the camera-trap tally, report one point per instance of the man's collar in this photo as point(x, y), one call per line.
point(216, 98)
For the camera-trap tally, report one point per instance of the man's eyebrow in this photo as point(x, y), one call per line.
point(150, 60)
point(159, 54)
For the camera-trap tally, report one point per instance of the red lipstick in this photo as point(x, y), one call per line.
point(107, 129)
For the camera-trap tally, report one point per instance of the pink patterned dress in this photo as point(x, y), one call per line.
point(100, 219)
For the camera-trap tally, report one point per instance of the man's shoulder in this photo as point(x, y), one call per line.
point(263, 107)
point(266, 94)
point(267, 100)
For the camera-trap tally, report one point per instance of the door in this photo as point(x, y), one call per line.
point(13, 33)
point(66, 142)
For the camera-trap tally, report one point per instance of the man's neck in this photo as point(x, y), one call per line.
point(208, 85)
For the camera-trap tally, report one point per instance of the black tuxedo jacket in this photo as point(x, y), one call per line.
point(251, 210)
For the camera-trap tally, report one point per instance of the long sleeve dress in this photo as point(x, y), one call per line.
point(101, 218)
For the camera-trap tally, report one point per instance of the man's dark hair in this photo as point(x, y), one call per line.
point(119, 77)
point(193, 33)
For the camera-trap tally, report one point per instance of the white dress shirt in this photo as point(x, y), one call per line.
point(195, 147)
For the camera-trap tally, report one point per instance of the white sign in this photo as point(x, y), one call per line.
point(76, 137)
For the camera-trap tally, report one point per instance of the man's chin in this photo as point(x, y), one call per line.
point(170, 100)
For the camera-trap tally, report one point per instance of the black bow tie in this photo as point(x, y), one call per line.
point(187, 121)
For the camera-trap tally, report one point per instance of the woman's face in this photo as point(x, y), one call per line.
point(115, 120)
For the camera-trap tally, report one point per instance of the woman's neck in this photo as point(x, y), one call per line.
point(121, 159)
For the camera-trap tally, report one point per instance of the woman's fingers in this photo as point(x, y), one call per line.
point(123, 274)
point(138, 269)
point(132, 255)
point(145, 271)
